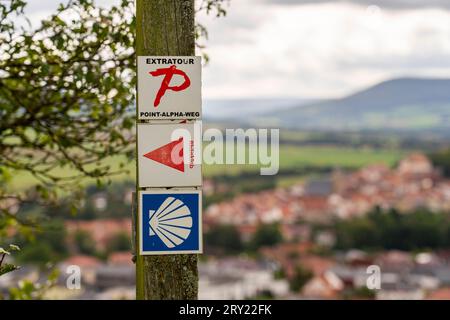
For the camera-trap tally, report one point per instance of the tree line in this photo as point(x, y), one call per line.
point(391, 229)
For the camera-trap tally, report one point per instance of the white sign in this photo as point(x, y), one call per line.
point(169, 88)
point(170, 221)
point(169, 155)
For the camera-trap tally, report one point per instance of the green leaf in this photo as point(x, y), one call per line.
point(14, 247)
point(6, 268)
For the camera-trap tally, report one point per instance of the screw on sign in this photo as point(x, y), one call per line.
point(168, 73)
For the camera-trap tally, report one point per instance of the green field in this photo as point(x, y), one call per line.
point(291, 157)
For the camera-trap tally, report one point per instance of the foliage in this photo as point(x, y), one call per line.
point(28, 290)
point(441, 159)
point(7, 267)
point(66, 94)
point(263, 295)
point(393, 230)
point(300, 278)
point(279, 274)
point(225, 238)
point(359, 293)
point(114, 195)
point(266, 235)
point(84, 242)
point(48, 244)
point(119, 242)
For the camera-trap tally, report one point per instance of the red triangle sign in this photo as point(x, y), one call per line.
point(167, 156)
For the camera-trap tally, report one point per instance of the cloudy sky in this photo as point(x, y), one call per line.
point(318, 48)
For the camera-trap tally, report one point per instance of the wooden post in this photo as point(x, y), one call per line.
point(165, 28)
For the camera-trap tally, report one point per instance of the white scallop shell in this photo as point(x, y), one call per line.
point(172, 222)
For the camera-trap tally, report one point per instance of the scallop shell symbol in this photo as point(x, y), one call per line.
point(172, 222)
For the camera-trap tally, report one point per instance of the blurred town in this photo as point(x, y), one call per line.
point(313, 239)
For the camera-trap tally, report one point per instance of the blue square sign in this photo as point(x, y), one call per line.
point(170, 222)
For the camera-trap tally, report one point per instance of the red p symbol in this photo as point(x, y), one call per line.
point(165, 85)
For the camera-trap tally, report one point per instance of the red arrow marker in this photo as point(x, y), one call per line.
point(167, 156)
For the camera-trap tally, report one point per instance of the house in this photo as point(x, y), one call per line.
point(237, 279)
point(324, 286)
point(121, 258)
point(101, 230)
point(415, 164)
point(439, 294)
point(395, 261)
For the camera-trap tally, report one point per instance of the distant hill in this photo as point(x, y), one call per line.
point(239, 109)
point(403, 104)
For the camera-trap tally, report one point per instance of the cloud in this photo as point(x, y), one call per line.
point(51, 5)
point(316, 51)
point(386, 4)
point(321, 51)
